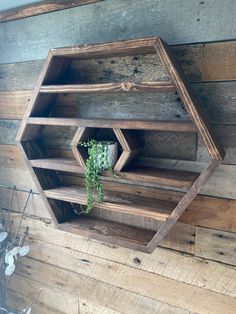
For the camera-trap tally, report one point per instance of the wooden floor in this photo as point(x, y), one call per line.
point(82, 276)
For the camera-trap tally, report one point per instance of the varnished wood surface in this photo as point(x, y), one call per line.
point(95, 228)
point(183, 204)
point(163, 86)
point(122, 203)
point(170, 126)
point(174, 178)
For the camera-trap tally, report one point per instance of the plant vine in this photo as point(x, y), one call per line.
point(96, 162)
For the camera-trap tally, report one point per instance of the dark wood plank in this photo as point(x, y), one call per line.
point(144, 22)
point(164, 86)
point(170, 126)
point(40, 8)
point(214, 148)
point(60, 164)
point(183, 204)
point(121, 203)
point(173, 178)
point(113, 233)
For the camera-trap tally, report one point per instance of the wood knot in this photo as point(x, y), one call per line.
point(126, 86)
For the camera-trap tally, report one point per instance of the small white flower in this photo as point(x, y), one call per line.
point(3, 236)
point(10, 270)
point(24, 250)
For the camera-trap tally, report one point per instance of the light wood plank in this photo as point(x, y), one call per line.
point(135, 280)
point(19, 301)
point(219, 61)
point(180, 267)
point(101, 295)
point(52, 297)
point(216, 245)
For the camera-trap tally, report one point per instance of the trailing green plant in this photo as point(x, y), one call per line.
point(96, 162)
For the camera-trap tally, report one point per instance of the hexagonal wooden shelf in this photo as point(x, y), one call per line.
point(60, 199)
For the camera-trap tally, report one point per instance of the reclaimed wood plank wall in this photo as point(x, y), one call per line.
point(80, 276)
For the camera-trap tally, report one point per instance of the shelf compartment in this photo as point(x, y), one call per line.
point(110, 232)
point(168, 126)
point(116, 202)
point(161, 86)
point(172, 178)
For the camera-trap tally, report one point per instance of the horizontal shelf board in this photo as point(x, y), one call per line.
point(111, 232)
point(122, 203)
point(59, 164)
point(161, 86)
point(172, 178)
point(167, 177)
point(168, 126)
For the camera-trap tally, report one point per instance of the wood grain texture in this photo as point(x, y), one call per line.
point(100, 299)
point(125, 20)
point(183, 204)
point(226, 134)
point(216, 245)
point(162, 86)
point(167, 126)
point(219, 61)
point(210, 96)
point(180, 267)
point(214, 148)
point(162, 288)
point(205, 211)
point(40, 8)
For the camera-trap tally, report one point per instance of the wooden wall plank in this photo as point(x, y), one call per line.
point(52, 297)
point(216, 245)
point(149, 18)
point(226, 134)
point(93, 296)
point(137, 281)
point(219, 61)
point(204, 211)
point(20, 76)
point(35, 206)
point(19, 301)
point(180, 267)
point(13, 104)
point(40, 8)
point(210, 95)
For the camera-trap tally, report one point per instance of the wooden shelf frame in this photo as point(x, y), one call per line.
point(60, 199)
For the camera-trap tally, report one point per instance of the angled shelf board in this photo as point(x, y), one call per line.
point(63, 197)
